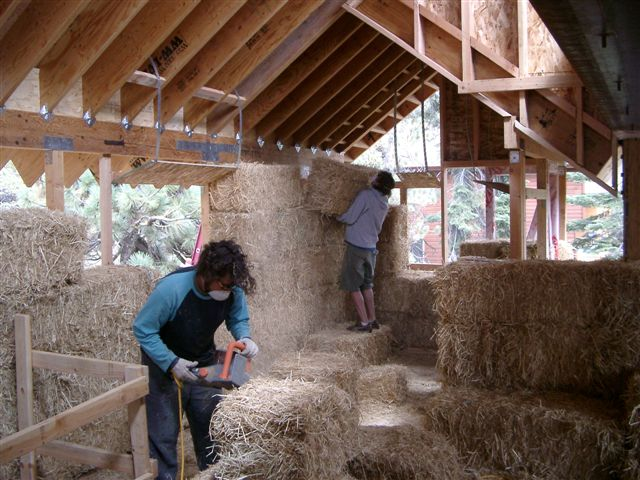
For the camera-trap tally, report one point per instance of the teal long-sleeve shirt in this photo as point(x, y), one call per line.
point(176, 298)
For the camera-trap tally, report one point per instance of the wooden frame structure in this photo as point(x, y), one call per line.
point(41, 438)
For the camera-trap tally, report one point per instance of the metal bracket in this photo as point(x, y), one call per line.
point(209, 150)
point(58, 143)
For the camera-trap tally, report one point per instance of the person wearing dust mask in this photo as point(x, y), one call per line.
point(175, 329)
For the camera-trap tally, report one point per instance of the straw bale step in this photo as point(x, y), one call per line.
point(423, 379)
point(365, 348)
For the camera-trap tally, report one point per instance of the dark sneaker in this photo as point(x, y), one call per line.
point(360, 328)
point(374, 325)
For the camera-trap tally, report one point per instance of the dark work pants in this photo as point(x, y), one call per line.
point(163, 420)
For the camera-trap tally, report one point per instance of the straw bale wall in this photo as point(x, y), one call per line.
point(404, 452)
point(548, 436)
point(373, 348)
point(332, 186)
point(296, 255)
point(539, 325)
point(41, 251)
point(279, 429)
point(90, 319)
point(382, 383)
point(632, 416)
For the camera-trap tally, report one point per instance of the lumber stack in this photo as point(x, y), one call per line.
point(535, 357)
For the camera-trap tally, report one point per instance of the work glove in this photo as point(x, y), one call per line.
point(182, 372)
point(250, 347)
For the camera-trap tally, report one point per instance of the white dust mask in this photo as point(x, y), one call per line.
point(219, 295)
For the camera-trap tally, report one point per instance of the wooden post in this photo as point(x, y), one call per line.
point(205, 213)
point(542, 173)
point(24, 384)
point(137, 414)
point(106, 209)
point(468, 74)
point(523, 58)
point(490, 208)
point(614, 162)
point(562, 204)
point(517, 204)
point(444, 217)
point(631, 198)
point(579, 126)
point(403, 196)
point(418, 32)
point(54, 179)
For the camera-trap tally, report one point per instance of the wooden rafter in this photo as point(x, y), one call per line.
point(30, 38)
point(10, 10)
point(97, 25)
point(216, 53)
point(392, 57)
point(29, 164)
point(372, 53)
point(279, 60)
point(253, 53)
point(324, 125)
point(315, 80)
point(282, 86)
point(127, 52)
point(75, 165)
point(181, 46)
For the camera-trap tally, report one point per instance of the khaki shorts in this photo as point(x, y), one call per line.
point(357, 269)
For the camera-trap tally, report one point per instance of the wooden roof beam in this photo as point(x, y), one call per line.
point(315, 80)
point(374, 53)
point(280, 60)
point(10, 11)
point(29, 164)
point(392, 61)
point(216, 53)
point(32, 35)
point(386, 108)
point(325, 126)
point(179, 47)
point(288, 80)
point(86, 39)
point(127, 52)
point(253, 53)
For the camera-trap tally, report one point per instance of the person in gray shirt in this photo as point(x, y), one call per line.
point(364, 220)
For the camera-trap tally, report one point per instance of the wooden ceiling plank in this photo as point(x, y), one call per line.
point(130, 49)
point(10, 10)
point(325, 125)
point(183, 44)
point(265, 41)
point(405, 91)
point(315, 80)
point(31, 37)
point(372, 53)
point(84, 41)
point(216, 53)
point(30, 165)
point(282, 59)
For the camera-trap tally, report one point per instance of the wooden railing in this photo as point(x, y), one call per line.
point(41, 438)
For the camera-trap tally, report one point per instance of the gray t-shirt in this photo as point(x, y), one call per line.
point(365, 217)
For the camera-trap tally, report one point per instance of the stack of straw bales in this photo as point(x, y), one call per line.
point(500, 248)
point(296, 254)
point(406, 301)
point(332, 185)
point(632, 417)
point(276, 429)
point(393, 244)
point(513, 337)
point(82, 313)
point(383, 383)
point(372, 348)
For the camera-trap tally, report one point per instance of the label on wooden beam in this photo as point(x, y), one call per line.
point(58, 143)
point(514, 156)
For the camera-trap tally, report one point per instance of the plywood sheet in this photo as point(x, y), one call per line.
point(161, 172)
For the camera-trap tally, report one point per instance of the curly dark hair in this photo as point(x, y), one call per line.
point(219, 259)
point(384, 182)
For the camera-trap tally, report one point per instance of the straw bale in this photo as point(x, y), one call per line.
point(90, 319)
point(383, 383)
point(366, 348)
point(404, 452)
point(632, 415)
point(41, 250)
point(318, 367)
point(500, 248)
point(393, 244)
point(551, 435)
point(276, 429)
point(257, 187)
point(332, 186)
point(539, 325)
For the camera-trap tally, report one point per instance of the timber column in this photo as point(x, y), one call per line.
point(631, 198)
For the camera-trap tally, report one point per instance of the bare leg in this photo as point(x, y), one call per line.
point(358, 300)
point(369, 304)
